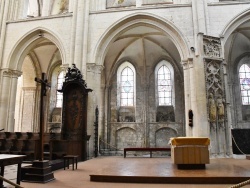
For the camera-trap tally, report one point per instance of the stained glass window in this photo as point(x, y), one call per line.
point(127, 87)
point(59, 96)
point(164, 86)
point(244, 75)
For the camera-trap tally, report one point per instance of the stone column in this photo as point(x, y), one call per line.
point(198, 95)
point(8, 99)
point(79, 33)
point(1, 12)
point(4, 15)
point(101, 4)
point(85, 40)
point(46, 8)
point(73, 34)
point(228, 102)
point(71, 5)
point(138, 3)
point(187, 97)
point(95, 99)
point(22, 9)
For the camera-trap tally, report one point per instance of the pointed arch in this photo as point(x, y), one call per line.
point(135, 20)
point(27, 42)
point(234, 24)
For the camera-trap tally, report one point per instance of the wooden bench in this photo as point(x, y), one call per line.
point(146, 149)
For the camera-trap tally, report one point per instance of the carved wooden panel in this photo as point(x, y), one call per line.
point(74, 114)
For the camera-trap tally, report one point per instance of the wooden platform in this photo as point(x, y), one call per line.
point(162, 170)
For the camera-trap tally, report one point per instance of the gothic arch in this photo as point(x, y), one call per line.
point(234, 24)
point(27, 42)
point(138, 19)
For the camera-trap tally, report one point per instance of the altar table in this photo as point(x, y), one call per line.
point(6, 159)
point(190, 152)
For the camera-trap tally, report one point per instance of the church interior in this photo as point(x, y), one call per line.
point(126, 81)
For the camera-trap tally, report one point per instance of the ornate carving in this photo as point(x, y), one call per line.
point(213, 77)
point(74, 74)
point(211, 47)
point(220, 108)
point(215, 90)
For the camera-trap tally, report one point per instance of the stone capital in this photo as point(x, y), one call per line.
point(11, 73)
point(91, 67)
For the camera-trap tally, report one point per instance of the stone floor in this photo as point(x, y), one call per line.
point(139, 166)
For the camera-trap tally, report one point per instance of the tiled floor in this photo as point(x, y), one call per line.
point(141, 166)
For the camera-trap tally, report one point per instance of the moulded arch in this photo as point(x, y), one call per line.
point(234, 24)
point(138, 19)
point(163, 128)
point(27, 42)
point(123, 128)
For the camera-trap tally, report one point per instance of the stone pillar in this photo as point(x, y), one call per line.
point(4, 15)
point(8, 99)
point(85, 40)
point(79, 33)
point(228, 102)
point(46, 7)
point(71, 5)
point(73, 34)
point(95, 99)
point(187, 90)
point(197, 77)
point(101, 4)
point(22, 9)
point(138, 3)
point(1, 12)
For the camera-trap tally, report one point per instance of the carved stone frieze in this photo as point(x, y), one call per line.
point(212, 47)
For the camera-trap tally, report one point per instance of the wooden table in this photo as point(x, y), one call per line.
point(5, 160)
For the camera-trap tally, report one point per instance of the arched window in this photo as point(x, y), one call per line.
point(244, 76)
point(59, 96)
point(164, 86)
point(164, 79)
point(126, 84)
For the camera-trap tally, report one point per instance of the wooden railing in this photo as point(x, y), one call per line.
point(10, 182)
